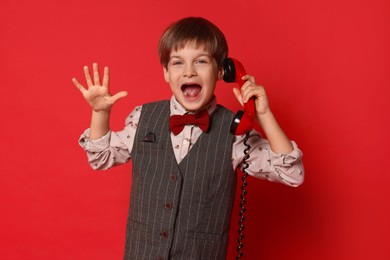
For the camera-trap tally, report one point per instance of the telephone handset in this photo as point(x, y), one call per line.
point(244, 120)
point(242, 123)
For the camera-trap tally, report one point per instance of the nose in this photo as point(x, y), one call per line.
point(189, 71)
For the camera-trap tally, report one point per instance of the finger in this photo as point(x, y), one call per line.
point(96, 78)
point(237, 93)
point(253, 91)
point(246, 86)
point(249, 78)
point(118, 96)
point(78, 85)
point(106, 77)
point(87, 76)
point(247, 95)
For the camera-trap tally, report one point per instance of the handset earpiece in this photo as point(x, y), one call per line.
point(229, 70)
point(244, 120)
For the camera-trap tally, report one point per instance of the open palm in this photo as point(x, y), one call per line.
point(98, 95)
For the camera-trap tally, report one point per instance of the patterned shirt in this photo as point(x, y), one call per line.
point(114, 148)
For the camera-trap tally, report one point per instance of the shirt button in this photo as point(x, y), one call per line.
point(185, 141)
point(168, 205)
point(173, 177)
point(164, 234)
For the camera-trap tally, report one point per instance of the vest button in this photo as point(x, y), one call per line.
point(168, 205)
point(173, 177)
point(164, 234)
point(160, 258)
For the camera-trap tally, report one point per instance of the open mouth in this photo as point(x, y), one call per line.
point(191, 90)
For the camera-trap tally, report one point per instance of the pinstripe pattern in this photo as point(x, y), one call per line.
point(180, 211)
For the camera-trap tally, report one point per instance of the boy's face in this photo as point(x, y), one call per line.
point(192, 74)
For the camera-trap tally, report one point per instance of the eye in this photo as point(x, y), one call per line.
point(202, 61)
point(176, 62)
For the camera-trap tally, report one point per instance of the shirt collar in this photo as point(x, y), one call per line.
point(177, 109)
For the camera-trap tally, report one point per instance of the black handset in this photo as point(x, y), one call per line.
point(242, 124)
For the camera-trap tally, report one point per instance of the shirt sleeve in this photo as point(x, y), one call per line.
point(114, 148)
point(266, 164)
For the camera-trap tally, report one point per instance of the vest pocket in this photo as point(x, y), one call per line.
point(207, 236)
point(137, 226)
point(144, 157)
point(148, 147)
point(211, 246)
point(135, 232)
point(134, 239)
point(138, 240)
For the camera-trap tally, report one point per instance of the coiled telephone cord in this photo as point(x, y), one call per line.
point(242, 197)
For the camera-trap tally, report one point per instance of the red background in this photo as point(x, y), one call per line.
point(325, 65)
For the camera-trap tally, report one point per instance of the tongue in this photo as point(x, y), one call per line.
point(192, 90)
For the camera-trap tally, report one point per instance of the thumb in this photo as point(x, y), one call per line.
point(237, 93)
point(118, 96)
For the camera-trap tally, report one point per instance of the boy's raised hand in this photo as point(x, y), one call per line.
point(251, 89)
point(98, 95)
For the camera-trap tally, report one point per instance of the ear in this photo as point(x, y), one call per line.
point(220, 73)
point(166, 74)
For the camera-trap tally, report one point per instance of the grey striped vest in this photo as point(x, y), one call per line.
point(180, 211)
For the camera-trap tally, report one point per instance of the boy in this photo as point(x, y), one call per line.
point(183, 179)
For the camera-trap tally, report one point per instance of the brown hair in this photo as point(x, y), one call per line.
point(195, 30)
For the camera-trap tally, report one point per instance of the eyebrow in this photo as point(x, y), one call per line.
point(200, 55)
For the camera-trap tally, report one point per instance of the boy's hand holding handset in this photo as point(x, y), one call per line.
point(251, 89)
point(278, 141)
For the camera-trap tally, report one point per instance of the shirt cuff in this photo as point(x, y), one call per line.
point(279, 159)
point(96, 145)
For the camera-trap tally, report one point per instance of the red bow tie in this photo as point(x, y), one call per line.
point(201, 119)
